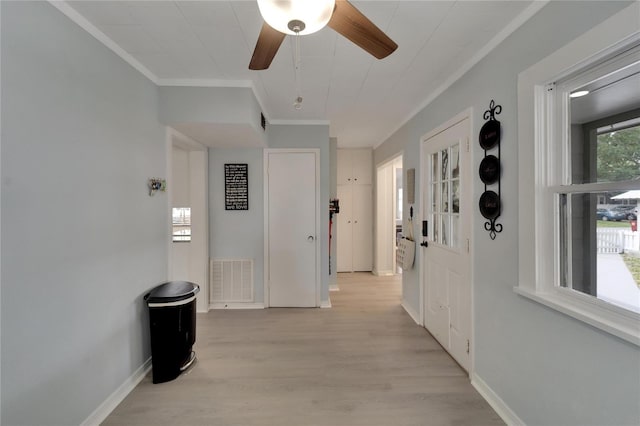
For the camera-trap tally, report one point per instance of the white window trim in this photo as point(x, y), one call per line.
point(537, 268)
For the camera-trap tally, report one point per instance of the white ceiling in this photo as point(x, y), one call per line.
point(364, 99)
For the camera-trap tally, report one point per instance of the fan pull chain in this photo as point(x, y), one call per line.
point(297, 63)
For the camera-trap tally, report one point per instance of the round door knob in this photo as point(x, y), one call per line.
point(310, 238)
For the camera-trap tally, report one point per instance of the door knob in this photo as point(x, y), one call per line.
point(310, 238)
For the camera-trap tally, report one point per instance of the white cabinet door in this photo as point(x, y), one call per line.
point(362, 166)
point(355, 220)
point(362, 228)
point(344, 165)
point(344, 241)
point(355, 166)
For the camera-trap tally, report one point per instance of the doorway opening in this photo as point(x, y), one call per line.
point(389, 202)
point(188, 212)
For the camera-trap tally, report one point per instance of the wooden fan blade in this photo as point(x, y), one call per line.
point(352, 24)
point(267, 46)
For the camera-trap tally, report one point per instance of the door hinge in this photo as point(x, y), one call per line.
point(467, 144)
point(468, 345)
point(468, 246)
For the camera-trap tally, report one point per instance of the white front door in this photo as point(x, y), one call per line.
point(292, 228)
point(447, 262)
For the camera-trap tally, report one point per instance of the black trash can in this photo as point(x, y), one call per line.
point(172, 319)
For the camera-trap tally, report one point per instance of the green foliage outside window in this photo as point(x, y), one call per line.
point(619, 155)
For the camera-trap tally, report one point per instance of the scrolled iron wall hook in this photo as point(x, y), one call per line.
point(493, 228)
point(493, 110)
point(490, 170)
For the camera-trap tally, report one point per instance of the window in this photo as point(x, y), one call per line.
point(599, 133)
point(444, 197)
point(577, 251)
point(181, 224)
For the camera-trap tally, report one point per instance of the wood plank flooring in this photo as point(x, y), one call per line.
point(362, 362)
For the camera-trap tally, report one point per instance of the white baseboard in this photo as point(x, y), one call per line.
point(334, 287)
point(325, 303)
point(413, 314)
point(500, 407)
point(383, 273)
point(104, 409)
point(236, 305)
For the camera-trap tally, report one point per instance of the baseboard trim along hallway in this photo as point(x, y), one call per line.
point(412, 313)
point(103, 411)
point(496, 402)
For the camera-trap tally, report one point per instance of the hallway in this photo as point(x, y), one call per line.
point(362, 362)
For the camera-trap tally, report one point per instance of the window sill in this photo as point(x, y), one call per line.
point(625, 325)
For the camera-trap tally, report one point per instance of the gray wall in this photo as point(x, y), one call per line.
point(238, 234)
point(209, 105)
point(82, 241)
point(548, 368)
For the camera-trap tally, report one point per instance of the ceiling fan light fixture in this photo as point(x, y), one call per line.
point(314, 14)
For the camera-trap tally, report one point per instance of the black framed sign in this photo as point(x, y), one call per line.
point(236, 187)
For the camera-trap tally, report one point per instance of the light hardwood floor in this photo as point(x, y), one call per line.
point(362, 362)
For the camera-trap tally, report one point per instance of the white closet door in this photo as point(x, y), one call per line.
point(362, 228)
point(345, 230)
point(362, 163)
point(344, 166)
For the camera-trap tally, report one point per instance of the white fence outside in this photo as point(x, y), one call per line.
point(612, 240)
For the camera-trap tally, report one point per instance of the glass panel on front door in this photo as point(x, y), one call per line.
point(444, 199)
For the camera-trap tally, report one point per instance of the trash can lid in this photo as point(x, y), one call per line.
point(172, 291)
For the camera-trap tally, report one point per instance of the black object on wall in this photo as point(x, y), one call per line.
point(236, 187)
point(490, 170)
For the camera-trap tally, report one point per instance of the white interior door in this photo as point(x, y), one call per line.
point(293, 240)
point(447, 262)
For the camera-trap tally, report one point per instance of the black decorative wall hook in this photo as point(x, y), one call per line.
point(490, 170)
point(493, 110)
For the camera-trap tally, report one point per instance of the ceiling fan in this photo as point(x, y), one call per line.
point(301, 17)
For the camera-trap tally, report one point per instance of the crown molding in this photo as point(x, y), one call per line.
point(83, 23)
point(299, 122)
point(511, 27)
point(205, 82)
